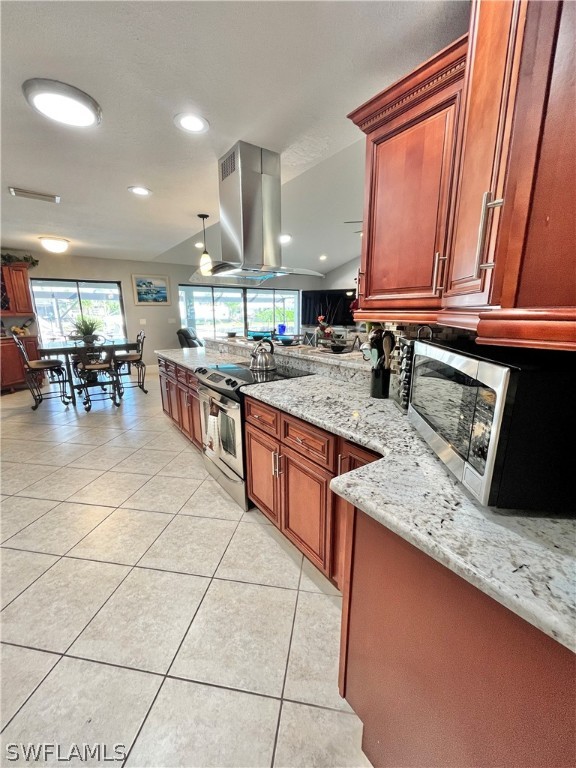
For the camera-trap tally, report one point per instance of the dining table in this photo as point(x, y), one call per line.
point(67, 348)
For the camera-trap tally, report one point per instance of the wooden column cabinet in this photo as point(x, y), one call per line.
point(179, 393)
point(411, 147)
point(289, 466)
point(441, 674)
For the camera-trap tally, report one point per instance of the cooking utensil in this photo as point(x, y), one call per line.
point(388, 343)
point(261, 359)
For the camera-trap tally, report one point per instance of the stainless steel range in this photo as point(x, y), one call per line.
point(222, 416)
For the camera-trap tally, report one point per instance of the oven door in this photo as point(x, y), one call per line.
point(221, 420)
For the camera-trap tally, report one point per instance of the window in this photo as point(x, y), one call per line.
point(60, 302)
point(216, 310)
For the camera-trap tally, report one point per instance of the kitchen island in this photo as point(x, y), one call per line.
point(458, 618)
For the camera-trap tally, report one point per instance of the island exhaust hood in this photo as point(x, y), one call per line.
point(249, 186)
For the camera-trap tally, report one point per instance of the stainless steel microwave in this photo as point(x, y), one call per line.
point(502, 429)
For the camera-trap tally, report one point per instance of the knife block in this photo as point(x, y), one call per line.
point(380, 383)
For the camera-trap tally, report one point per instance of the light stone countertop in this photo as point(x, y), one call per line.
point(525, 561)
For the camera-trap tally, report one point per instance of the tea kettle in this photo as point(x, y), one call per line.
point(262, 360)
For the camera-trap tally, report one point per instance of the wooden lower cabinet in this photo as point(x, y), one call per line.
point(441, 674)
point(11, 368)
point(262, 484)
point(306, 507)
point(293, 489)
point(180, 399)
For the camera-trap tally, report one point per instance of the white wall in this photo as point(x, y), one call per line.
point(342, 277)
point(161, 321)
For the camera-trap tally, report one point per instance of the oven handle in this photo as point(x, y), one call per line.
point(207, 395)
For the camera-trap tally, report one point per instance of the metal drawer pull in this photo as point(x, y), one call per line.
point(487, 203)
point(300, 440)
point(274, 455)
point(339, 470)
point(255, 415)
point(437, 259)
point(278, 470)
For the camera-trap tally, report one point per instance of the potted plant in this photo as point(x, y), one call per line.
point(87, 327)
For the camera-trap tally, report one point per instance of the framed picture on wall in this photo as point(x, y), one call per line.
point(151, 290)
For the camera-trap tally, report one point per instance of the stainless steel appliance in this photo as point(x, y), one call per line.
point(222, 419)
point(504, 427)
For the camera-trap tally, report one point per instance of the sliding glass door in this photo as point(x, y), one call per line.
point(59, 303)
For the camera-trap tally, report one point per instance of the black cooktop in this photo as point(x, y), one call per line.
point(228, 378)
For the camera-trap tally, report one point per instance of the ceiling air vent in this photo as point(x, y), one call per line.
point(228, 166)
point(31, 195)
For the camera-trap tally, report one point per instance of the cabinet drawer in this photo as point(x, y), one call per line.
point(263, 416)
point(170, 368)
point(191, 380)
point(181, 374)
point(309, 441)
point(161, 364)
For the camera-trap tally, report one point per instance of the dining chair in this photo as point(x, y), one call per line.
point(133, 359)
point(34, 371)
point(96, 368)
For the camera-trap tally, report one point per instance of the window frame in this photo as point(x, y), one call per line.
point(245, 289)
point(77, 282)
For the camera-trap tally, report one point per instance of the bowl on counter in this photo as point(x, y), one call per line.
point(232, 334)
point(259, 335)
point(288, 341)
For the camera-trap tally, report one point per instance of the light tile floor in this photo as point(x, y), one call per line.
point(141, 607)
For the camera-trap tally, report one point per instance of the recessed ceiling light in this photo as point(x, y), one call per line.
point(61, 102)
point(323, 257)
point(54, 244)
point(191, 123)
point(141, 191)
point(199, 245)
point(283, 239)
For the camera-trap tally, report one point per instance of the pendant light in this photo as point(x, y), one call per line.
point(205, 259)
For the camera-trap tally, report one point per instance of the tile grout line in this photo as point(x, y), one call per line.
point(277, 733)
point(167, 673)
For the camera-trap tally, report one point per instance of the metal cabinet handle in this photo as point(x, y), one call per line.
point(274, 455)
point(437, 289)
point(488, 202)
point(339, 470)
point(279, 472)
point(300, 440)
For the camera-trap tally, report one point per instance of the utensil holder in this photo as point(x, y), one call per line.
point(380, 383)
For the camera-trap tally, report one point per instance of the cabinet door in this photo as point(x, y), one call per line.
point(31, 346)
point(408, 220)
point(196, 433)
point(351, 457)
point(184, 409)
point(306, 506)
point(172, 388)
point(489, 97)
point(12, 370)
point(164, 394)
point(261, 454)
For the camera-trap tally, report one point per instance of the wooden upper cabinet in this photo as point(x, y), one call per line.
point(410, 163)
point(17, 284)
point(495, 43)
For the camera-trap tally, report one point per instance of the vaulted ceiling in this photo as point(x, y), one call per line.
point(282, 75)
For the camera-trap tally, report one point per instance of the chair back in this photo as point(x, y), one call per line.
point(87, 355)
point(188, 338)
point(22, 350)
point(140, 342)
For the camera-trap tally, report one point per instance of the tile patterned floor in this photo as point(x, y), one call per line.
point(141, 607)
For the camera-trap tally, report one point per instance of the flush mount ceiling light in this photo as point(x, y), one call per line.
point(54, 244)
point(140, 191)
point(283, 239)
point(205, 259)
point(198, 245)
point(323, 257)
point(191, 123)
point(61, 102)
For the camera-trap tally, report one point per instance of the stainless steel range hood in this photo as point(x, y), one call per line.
point(249, 185)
